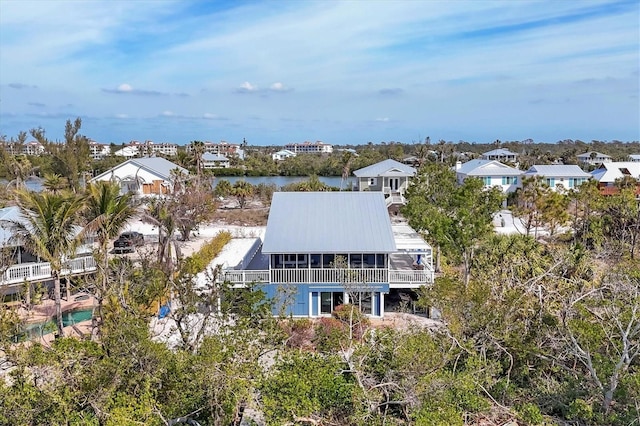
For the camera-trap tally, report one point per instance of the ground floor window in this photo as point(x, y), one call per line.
point(363, 301)
point(329, 300)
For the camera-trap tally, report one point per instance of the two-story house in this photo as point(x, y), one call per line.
point(559, 177)
point(501, 154)
point(389, 177)
point(324, 249)
point(215, 161)
point(593, 158)
point(143, 176)
point(491, 172)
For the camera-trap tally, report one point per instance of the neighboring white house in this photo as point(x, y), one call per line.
point(634, 158)
point(389, 177)
point(127, 152)
point(330, 248)
point(491, 172)
point(593, 158)
point(559, 176)
point(18, 265)
point(283, 154)
point(608, 173)
point(500, 154)
point(213, 161)
point(143, 176)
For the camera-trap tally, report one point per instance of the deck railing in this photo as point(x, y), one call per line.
point(41, 271)
point(408, 278)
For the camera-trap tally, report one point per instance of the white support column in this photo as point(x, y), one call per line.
point(381, 305)
point(310, 309)
point(345, 296)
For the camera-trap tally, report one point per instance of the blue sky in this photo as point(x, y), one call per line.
point(345, 72)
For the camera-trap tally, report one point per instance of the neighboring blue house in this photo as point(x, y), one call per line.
point(324, 249)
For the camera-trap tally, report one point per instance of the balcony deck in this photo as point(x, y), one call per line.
point(41, 271)
point(396, 278)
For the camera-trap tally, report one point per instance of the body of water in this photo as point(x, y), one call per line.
point(280, 181)
point(33, 184)
point(37, 330)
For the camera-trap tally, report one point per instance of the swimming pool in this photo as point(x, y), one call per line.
point(37, 330)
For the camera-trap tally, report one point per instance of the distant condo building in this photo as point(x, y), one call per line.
point(98, 150)
point(309, 147)
point(17, 148)
point(148, 148)
point(33, 148)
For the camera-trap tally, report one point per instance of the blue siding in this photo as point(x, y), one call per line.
point(296, 296)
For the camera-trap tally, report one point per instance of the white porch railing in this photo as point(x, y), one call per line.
point(41, 271)
point(395, 278)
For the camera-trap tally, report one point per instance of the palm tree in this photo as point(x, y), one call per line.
point(50, 231)
point(242, 190)
point(107, 214)
point(158, 213)
point(54, 182)
point(197, 149)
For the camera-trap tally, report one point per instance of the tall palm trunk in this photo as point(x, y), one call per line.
point(58, 302)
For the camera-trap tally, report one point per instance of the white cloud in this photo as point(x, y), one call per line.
point(247, 87)
point(122, 116)
point(168, 114)
point(209, 116)
point(124, 87)
point(383, 119)
point(278, 87)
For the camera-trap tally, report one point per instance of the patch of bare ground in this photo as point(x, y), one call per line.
point(254, 214)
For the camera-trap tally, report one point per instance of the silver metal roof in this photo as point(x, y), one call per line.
point(386, 168)
point(557, 170)
point(408, 240)
point(158, 165)
point(587, 155)
point(328, 222)
point(487, 168)
point(499, 151)
point(207, 156)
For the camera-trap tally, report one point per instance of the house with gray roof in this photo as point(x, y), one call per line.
point(331, 248)
point(18, 266)
point(559, 177)
point(215, 161)
point(143, 176)
point(593, 158)
point(500, 154)
point(634, 158)
point(389, 177)
point(491, 172)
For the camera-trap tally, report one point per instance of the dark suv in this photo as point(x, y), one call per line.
point(128, 241)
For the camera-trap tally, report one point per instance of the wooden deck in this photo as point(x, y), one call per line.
point(41, 271)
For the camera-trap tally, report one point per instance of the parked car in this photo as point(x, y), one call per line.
point(128, 241)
